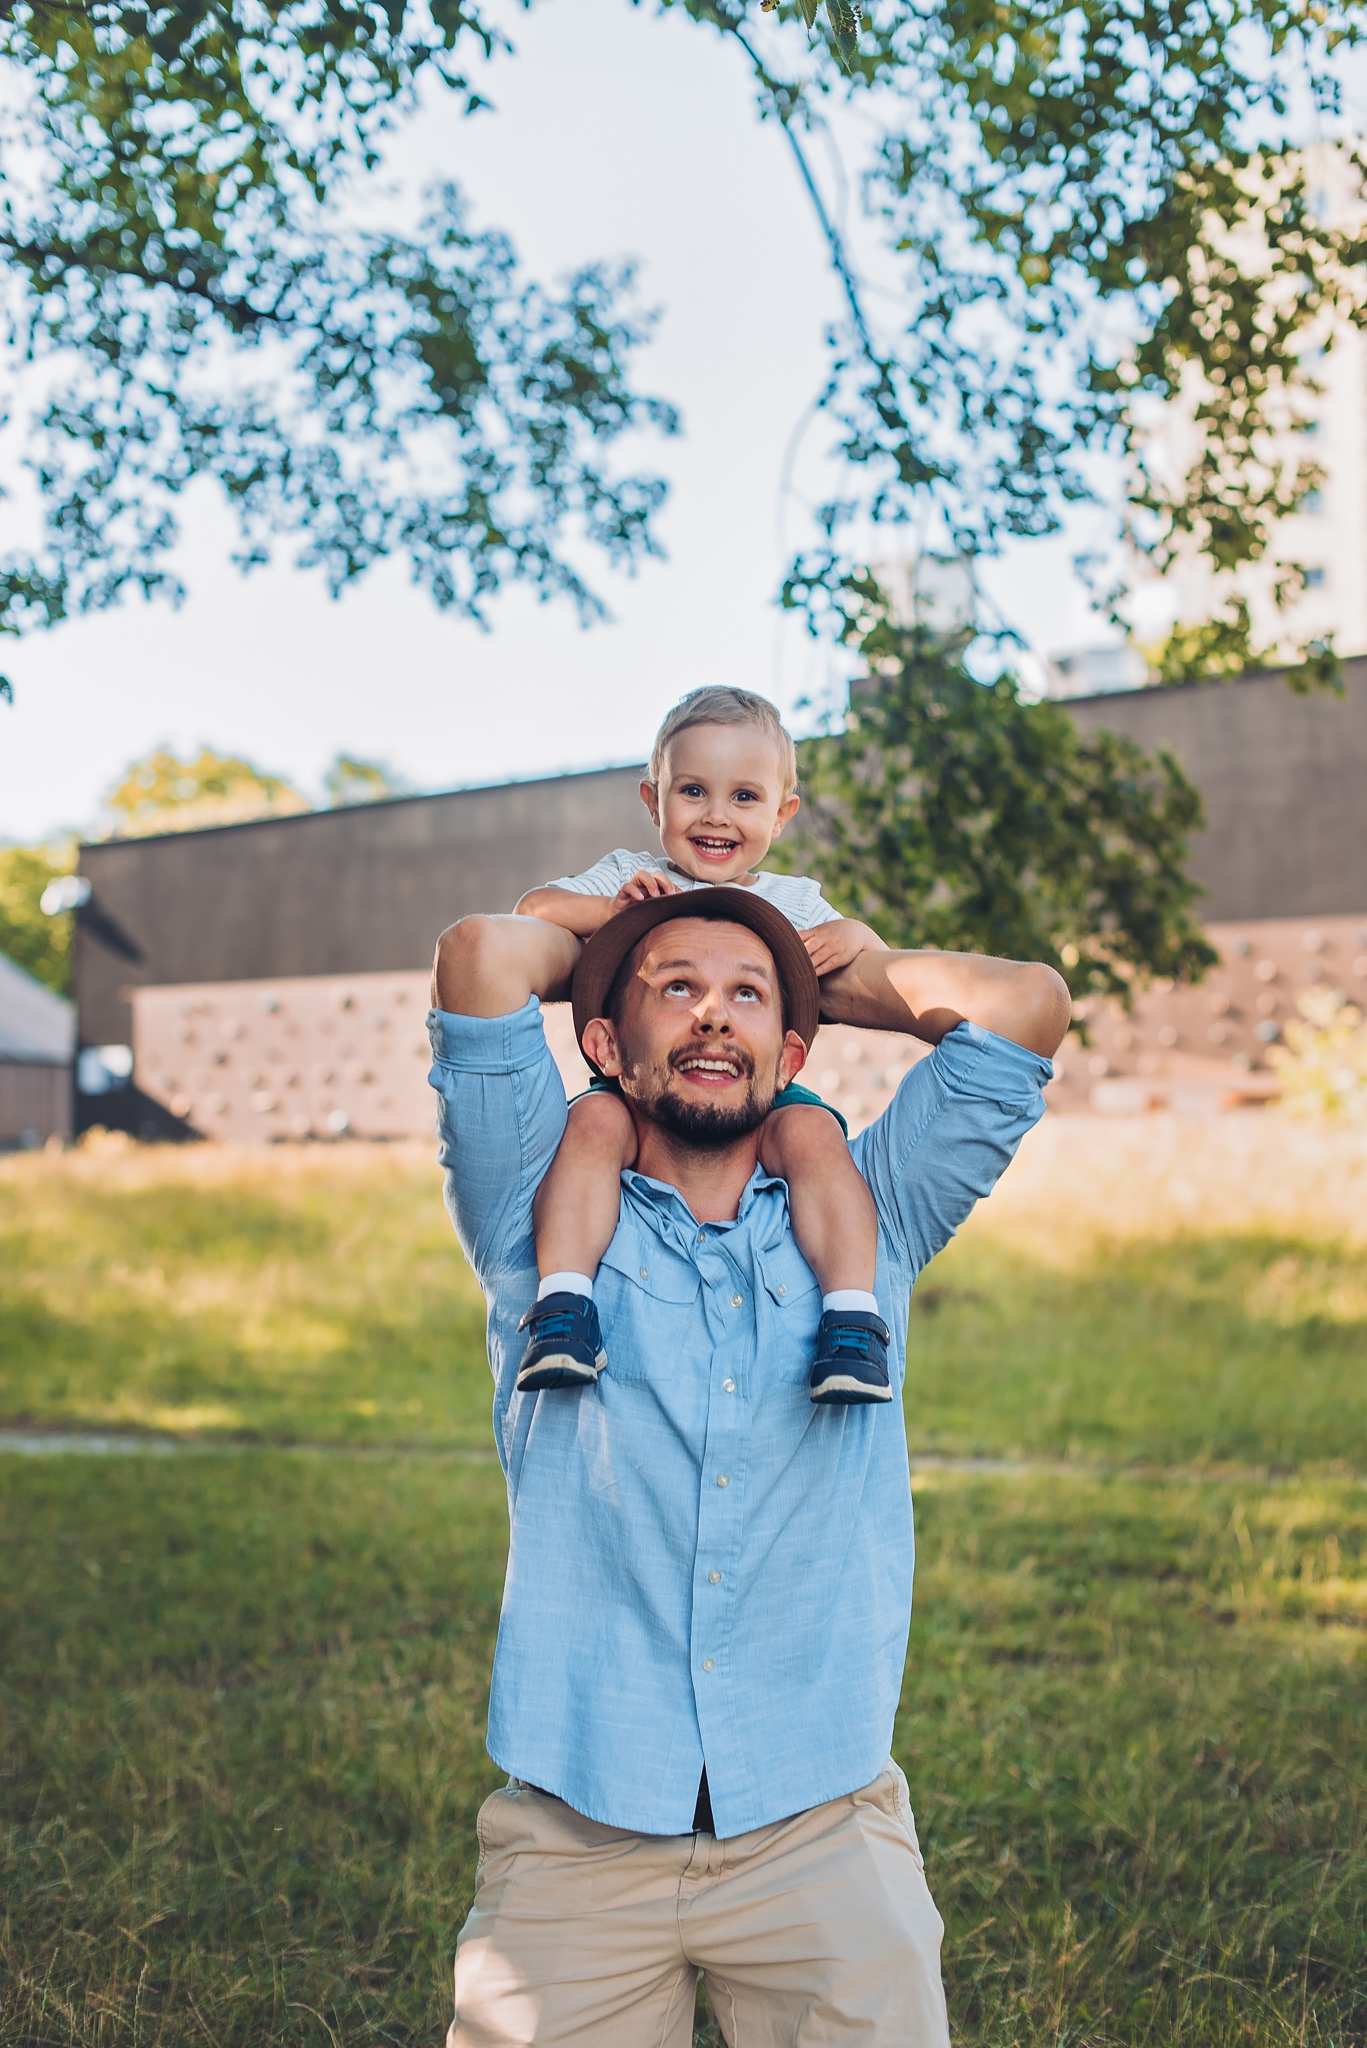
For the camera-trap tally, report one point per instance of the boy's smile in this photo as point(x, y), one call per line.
point(720, 802)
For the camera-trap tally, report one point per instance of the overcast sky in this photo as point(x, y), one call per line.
point(617, 133)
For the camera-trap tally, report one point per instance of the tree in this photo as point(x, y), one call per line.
point(1094, 200)
point(174, 177)
point(349, 781)
point(1098, 202)
point(165, 794)
point(950, 812)
point(38, 942)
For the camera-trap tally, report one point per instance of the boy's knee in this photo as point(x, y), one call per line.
point(805, 1128)
point(602, 1117)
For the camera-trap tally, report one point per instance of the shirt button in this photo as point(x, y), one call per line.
point(728, 1386)
point(645, 1272)
point(701, 1237)
point(780, 1290)
point(714, 1578)
point(707, 1664)
point(723, 1479)
point(736, 1300)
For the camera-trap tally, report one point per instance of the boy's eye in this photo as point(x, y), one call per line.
point(747, 796)
point(692, 789)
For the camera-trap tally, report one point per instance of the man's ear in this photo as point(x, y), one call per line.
point(787, 810)
point(650, 797)
point(600, 1043)
point(792, 1059)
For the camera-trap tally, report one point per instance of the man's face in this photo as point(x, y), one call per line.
point(699, 1043)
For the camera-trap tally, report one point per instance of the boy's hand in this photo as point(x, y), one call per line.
point(836, 943)
point(644, 884)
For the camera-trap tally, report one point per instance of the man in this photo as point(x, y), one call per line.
point(709, 1578)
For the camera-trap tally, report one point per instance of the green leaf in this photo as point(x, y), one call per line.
point(844, 20)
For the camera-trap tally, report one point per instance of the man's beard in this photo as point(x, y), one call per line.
point(711, 1127)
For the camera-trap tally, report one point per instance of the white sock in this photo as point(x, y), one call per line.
point(574, 1283)
point(849, 1297)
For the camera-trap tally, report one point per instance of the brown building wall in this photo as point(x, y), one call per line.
point(364, 889)
point(1284, 779)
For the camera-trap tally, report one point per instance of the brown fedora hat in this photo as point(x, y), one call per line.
point(611, 943)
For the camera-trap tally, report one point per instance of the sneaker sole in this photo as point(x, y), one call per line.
point(558, 1369)
point(845, 1390)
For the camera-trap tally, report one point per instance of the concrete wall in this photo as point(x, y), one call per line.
point(1284, 780)
point(367, 888)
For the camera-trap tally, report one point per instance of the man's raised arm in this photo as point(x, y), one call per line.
point(490, 966)
point(927, 994)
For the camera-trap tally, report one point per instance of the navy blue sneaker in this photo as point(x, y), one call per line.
point(565, 1348)
point(851, 1358)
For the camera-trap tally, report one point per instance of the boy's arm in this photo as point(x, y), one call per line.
point(839, 941)
point(927, 994)
point(581, 915)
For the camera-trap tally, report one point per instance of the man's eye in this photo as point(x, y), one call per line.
point(747, 995)
point(676, 988)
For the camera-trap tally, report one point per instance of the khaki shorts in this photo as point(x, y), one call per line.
point(816, 1930)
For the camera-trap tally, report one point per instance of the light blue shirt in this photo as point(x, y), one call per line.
point(702, 1564)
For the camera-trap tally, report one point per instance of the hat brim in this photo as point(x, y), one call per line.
point(612, 942)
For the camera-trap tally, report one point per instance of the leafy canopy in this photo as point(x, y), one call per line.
point(178, 283)
point(163, 793)
point(1100, 206)
point(1094, 202)
point(40, 943)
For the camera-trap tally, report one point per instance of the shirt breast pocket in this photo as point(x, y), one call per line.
point(650, 1306)
point(790, 1304)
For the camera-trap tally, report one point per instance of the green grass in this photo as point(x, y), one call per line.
point(1240, 1348)
point(305, 1298)
point(242, 1692)
point(243, 1699)
point(323, 1299)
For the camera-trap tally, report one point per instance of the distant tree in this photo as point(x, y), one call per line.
point(951, 812)
point(38, 942)
point(165, 794)
point(349, 781)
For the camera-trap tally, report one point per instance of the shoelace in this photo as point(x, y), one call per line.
point(555, 1323)
point(847, 1338)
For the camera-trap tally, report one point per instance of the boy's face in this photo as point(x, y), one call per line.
point(720, 801)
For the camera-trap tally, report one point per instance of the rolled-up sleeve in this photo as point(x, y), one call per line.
point(501, 1114)
point(948, 1134)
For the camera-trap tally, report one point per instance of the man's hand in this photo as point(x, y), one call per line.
point(927, 994)
point(644, 884)
point(838, 941)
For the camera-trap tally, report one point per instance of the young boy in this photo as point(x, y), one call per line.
point(722, 785)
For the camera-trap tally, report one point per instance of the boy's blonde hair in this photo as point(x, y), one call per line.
point(718, 704)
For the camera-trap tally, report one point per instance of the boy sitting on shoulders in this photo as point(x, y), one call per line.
point(721, 787)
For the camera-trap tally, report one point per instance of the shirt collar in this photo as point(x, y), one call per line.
point(666, 1198)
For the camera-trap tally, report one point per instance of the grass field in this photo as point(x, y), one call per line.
point(242, 1690)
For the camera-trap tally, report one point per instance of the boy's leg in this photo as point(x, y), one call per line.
point(834, 1218)
point(836, 1227)
point(580, 1199)
point(575, 1215)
